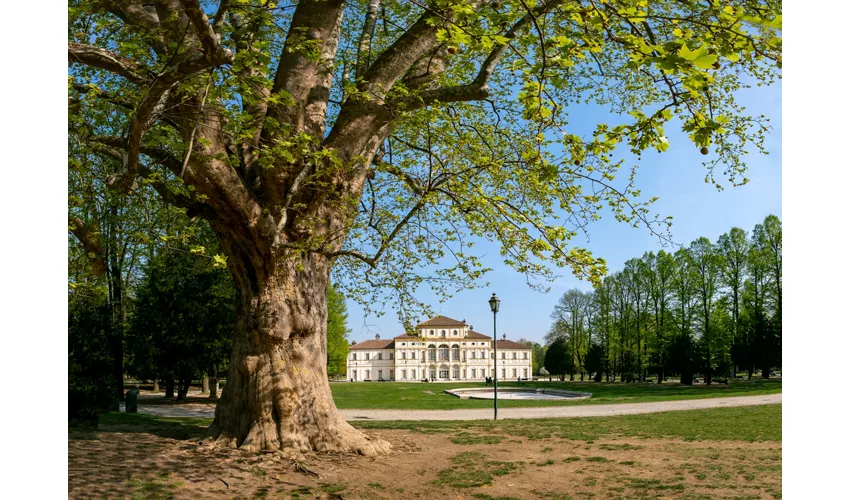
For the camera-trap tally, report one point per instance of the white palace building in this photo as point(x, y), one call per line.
point(445, 350)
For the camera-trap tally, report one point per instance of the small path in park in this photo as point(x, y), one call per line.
point(602, 410)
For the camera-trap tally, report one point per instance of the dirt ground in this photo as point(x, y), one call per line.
point(148, 463)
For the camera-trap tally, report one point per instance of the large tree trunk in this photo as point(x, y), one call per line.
point(277, 395)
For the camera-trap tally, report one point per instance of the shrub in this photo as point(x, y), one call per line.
point(628, 377)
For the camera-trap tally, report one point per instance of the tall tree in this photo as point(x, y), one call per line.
point(733, 247)
point(337, 332)
point(311, 141)
point(707, 265)
point(768, 237)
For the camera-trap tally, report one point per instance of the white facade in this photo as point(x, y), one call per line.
point(444, 350)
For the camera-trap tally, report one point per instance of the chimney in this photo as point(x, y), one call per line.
point(377, 336)
point(504, 336)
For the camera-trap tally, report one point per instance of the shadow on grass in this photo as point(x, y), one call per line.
point(174, 428)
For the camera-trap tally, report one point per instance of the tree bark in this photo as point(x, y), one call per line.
point(156, 385)
point(214, 388)
point(277, 395)
point(169, 387)
point(205, 384)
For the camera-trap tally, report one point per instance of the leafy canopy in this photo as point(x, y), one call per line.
point(393, 136)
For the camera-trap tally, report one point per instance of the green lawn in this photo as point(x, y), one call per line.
point(742, 423)
point(419, 396)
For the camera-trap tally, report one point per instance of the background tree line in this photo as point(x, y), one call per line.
point(713, 308)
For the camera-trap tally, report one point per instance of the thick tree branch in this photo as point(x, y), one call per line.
point(364, 46)
point(143, 17)
point(92, 243)
point(313, 34)
point(207, 35)
point(109, 61)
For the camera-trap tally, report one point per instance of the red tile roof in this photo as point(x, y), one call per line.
point(442, 321)
point(405, 336)
point(476, 335)
point(510, 344)
point(374, 344)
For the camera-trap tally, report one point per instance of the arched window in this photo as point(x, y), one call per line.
point(443, 333)
point(454, 333)
point(444, 352)
point(432, 353)
point(455, 371)
point(455, 353)
point(431, 333)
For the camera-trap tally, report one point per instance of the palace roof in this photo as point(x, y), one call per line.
point(476, 335)
point(374, 344)
point(442, 321)
point(510, 344)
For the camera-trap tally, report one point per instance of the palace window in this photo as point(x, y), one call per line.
point(525, 373)
point(431, 333)
point(380, 374)
point(525, 356)
point(404, 374)
point(514, 355)
point(454, 333)
point(455, 372)
point(444, 373)
point(503, 373)
point(368, 355)
point(403, 354)
point(380, 355)
point(392, 355)
point(503, 355)
point(433, 373)
point(455, 353)
point(413, 374)
point(514, 372)
point(354, 356)
point(473, 354)
point(444, 353)
point(368, 375)
point(432, 353)
point(443, 333)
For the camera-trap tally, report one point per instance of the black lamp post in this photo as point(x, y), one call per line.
point(494, 306)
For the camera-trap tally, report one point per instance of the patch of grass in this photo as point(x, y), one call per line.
point(377, 486)
point(467, 438)
point(751, 423)
point(571, 459)
point(258, 472)
point(619, 447)
point(484, 496)
point(545, 463)
point(546, 449)
point(552, 495)
point(600, 460)
point(332, 488)
point(160, 488)
point(471, 470)
point(627, 462)
point(396, 395)
point(640, 483)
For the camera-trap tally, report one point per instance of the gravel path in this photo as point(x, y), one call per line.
point(201, 410)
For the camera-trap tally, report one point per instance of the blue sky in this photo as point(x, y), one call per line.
point(676, 177)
